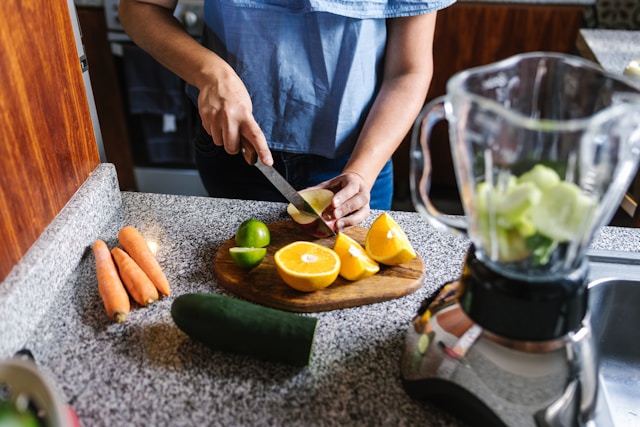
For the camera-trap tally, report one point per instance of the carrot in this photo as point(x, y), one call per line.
point(136, 246)
point(114, 295)
point(135, 280)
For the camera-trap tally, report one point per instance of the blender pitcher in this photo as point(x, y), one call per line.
point(544, 147)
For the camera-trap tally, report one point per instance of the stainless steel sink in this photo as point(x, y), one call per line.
point(615, 319)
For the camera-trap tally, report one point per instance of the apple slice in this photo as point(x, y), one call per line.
point(319, 199)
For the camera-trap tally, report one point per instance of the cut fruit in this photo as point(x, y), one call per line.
point(387, 243)
point(510, 207)
point(530, 215)
point(247, 257)
point(502, 244)
point(319, 199)
point(542, 176)
point(307, 266)
point(253, 233)
point(355, 263)
point(564, 213)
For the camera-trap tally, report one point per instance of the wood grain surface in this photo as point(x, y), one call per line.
point(47, 144)
point(264, 286)
point(107, 94)
point(473, 33)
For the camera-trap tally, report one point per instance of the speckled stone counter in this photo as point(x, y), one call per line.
point(612, 49)
point(146, 372)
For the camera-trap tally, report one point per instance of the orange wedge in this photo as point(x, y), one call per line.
point(307, 266)
point(387, 243)
point(355, 264)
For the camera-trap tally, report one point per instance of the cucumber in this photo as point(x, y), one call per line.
point(531, 214)
point(542, 176)
point(564, 213)
point(240, 327)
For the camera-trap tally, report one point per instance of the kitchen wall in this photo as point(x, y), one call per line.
point(471, 33)
point(614, 15)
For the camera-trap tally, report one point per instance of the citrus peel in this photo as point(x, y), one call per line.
point(307, 266)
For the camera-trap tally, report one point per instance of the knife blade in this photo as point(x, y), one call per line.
point(286, 189)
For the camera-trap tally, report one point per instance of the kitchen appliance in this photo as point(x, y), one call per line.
point(26, 386)
point(161, 120)
point(544, 147)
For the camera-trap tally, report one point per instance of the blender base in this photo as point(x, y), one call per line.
point(489, 380)
point(455, 399)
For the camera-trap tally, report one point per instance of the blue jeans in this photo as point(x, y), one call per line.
point(229, 176)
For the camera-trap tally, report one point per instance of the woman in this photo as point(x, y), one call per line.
point(324, 90)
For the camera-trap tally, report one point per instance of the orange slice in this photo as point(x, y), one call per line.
point(355, 264)
point(387, 243)
point(307, 266)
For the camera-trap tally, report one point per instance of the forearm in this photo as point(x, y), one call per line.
point(163, 37)
point(387, 124)
point(224, 104)
point(407, 74)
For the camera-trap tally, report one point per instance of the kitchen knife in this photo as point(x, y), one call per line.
point(286, 189)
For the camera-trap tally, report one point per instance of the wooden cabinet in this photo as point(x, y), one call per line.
point(47, 142)
point(469, 34)
point(106, 93)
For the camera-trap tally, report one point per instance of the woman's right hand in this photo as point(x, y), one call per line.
point(224, 102)
point(225, 108)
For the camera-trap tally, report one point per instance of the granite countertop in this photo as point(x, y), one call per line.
point(612, 49)
point(147, 372)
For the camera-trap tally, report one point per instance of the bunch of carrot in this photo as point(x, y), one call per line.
point(132, 270)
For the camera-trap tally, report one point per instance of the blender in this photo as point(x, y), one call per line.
point(544, 146)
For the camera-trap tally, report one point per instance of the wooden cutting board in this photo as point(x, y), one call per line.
point(263, 285)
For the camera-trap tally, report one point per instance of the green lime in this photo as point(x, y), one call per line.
point(253, 234)
point(247, 257)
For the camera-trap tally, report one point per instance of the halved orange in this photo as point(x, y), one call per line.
point(355, 264)
point(307, 266)
point(387, 243)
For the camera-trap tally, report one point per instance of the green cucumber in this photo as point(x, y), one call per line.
point(240, 327)
point(564, 212)
point(542, 176)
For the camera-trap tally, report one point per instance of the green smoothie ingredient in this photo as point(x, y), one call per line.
point(240, 327)
point(529, 215)
point(11, 416)
point(253, 233)
point(252, 238)
point(247, 257)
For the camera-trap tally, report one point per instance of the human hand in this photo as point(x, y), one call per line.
point(350, 203)
point(226, 111)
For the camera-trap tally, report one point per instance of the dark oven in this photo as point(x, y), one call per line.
point(160, 118)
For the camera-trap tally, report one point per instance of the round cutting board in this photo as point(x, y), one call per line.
point(263, 285)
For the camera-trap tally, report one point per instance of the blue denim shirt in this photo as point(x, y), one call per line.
point(312, 67)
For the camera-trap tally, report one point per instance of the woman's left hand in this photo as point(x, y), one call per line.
point(350, 203)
